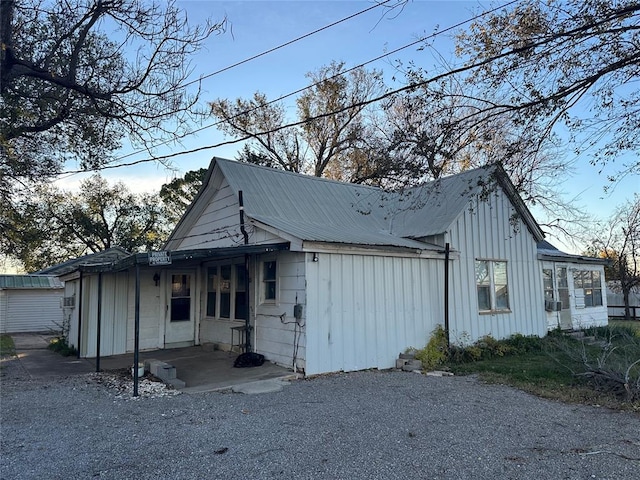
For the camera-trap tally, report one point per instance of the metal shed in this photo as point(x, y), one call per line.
point(30, 303)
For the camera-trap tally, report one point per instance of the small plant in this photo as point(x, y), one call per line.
point(7, 347)
point(59, 345)
point(435, 353)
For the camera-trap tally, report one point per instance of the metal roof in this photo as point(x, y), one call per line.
point(107, 256)
point(546, 251)
point(29, 282)
point(317, 209)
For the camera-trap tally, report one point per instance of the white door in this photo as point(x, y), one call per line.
point(180, 322)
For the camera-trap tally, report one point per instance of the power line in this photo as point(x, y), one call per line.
point(266, 52)
point(323, 115)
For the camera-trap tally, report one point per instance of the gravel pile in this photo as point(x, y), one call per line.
point(365, 425)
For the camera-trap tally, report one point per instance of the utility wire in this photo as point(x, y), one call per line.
point(327, 114)
point(266, 52)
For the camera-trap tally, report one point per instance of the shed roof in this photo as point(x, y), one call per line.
point(20, 282)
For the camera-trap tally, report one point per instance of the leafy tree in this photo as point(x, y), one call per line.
point(335, 145)
point(55, 226)
point(562, 61)
point(619, 242)
point(178, 194)
point(77, 77)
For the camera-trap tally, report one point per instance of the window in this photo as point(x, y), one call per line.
point(591, 283)
point(226, 292)
point(269, 281)
point(212, 289)
point(241, 293)
point(491, 284)
point(547, 281)
point(563, 287)
point(180, 298)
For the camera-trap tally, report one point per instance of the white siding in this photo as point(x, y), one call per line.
point(152, 310)
point(219, 224)
point(486, 231)
point(113, 322)
point(364, 310)
point(275, 326)
point(30, 310)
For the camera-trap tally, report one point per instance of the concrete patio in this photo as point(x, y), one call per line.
point(201, 368)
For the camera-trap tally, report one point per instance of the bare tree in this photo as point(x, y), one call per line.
point(562, 61)
point(77, 77)
point(334, 146)
point(619, 241)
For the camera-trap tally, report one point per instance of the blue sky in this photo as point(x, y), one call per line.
point(257, 26)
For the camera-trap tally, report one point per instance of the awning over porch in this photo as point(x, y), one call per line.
point(185, 256)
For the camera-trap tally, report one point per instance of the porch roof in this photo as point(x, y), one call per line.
point(181, 256)
point(546, 251)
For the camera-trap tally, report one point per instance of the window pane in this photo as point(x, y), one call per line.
point(597, 283)
point(577, 280)
point(269, 279)
point(563, 293)
point(180, 286)
point(502, 297)
point(212, 287)
point(269, 271)
point(500, 273)
point(547, 280)
point(484, 297)
point(482, 272)
point(597, 297)
point(180, 309)
point(561, 272)
point(587, 279)
point(588, 297)
point(225, 291)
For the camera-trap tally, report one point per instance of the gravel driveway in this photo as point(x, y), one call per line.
point(366, 425)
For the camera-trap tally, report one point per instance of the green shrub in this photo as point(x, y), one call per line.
point(59, 345)
point(435, 353)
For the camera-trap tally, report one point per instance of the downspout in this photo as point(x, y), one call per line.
point(245, 235)
point(446, 293)
point(80, 315)
point(99, 322)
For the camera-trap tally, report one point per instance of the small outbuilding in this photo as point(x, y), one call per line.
point(30, 303)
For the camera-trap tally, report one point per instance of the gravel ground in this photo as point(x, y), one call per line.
point(366, 425)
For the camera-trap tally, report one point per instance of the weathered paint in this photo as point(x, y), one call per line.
point(364, 310)
point(488, 230)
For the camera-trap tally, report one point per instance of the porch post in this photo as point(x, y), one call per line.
point(247, 322)
point(80, 316)
point(136, 342)
point(99, 322)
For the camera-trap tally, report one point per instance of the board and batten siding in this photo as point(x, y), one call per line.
point(113, 323)
point(364, 310)
point(276, 335)
point(30, 310)
point(486, 231)
point(219, 224)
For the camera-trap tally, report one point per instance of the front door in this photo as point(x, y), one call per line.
point(180, 322)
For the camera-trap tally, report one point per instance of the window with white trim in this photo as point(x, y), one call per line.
point(492, 285)
point(269, 281)
point(591, 284)
point(226, 292)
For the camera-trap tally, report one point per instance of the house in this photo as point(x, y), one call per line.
point(574, 289)
point(30, 303)
point(323, 276)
